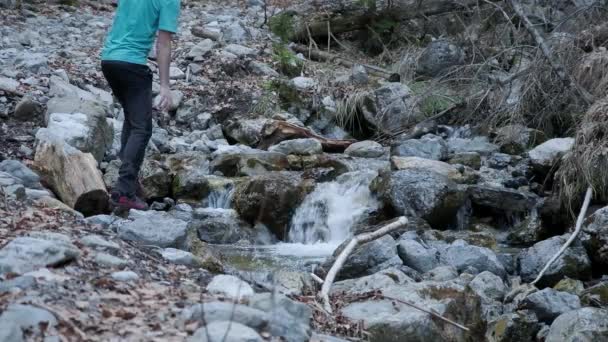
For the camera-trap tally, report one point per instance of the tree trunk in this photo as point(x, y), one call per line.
point(317, 18)
point(73, 176)
point(277, 131)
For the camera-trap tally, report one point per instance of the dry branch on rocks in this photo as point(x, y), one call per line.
point(277, 131)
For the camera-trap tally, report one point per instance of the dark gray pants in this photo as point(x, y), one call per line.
point(132, 86)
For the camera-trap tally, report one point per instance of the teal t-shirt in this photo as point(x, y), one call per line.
point(134, 29)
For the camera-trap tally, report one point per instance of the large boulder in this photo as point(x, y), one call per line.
point(221, 226)
point(546, 155)
point(516, 326)
point(391, 107)
point(417, 255)
point(595, 237)
point(503, 199)
point(154, 228)
point(365, 149)
point(421, 192)
point(548, 304)
point(367, 258)
point(304, 147)
point(189, 170)
point(428, 147)
point(463, 257)
point(270, 199)
point(586, 324)
point(573, 263)
point(43, 249)
point(233, 162)
point(439, 56)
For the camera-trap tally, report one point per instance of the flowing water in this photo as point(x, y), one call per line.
point(221, 198)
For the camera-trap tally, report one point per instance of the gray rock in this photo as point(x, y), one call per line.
point(96, 241)
point(25, 254)
point(470, 159)
point(179, 257)
point(516, 326)
point(428, 147)
point(392, 106)
point(439, 56)
point(488, 285)
point(8, 84)
point(201, 50)
point(508, 200)
point(25, 175)
point(288, 319)
point(125, 276)
point(417, 256)
point(423, 193)
point(462, 255)
point(221, 311)
point(27, 109)
point(236, 32)
point(298, 146)
point(369, 283)
point(22, 283)
point(25, 317)
point(230, 287)
point(34, 62)
point(154, 228)
point(365, 149)
point(303, 83)
point(546, 155)
point(189, 170)
point(176, 95)
point(586, 324)
point(240, 51)
point(225, 331)
point(8, 331)
point(441, 273)
point(316, 337)
point(221, 226)
point(595, 237)
point(368, 258)
point(516, 139)
point(233, 163)
point(108, 260)
point(269, 302)
point(247, 132)
point(480, 145)
point(262, 69)
point(574, 263)
point(548, 304)
point(359, 75)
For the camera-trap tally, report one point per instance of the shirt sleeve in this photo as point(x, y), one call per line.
point(169, 14)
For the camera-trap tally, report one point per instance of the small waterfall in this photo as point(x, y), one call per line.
point(330, 211)
point(221, 198)
point(463, 216)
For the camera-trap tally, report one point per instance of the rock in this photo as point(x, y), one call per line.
point(470, 159)
point(225, 331)
point(230, 287)
point(189, 170)
point(8, 84)
point(573, 286)
point(233, 163)
point(8, 331)
point(25, 254)
point(391, 107)
point(516, 326)
point(369, 283)
point(438, 56)
point(488, 285)
point(325, 338)
point(548, 304)
point(236, 32)
point(34, 62)
point(367, 258)
point(462, 256)
point(480, 145)
point(417, 163)
point(303, 147)
point(246, 132)
point(125, 276)
point(419, 257)
point(289, 319)
point(154, 228)
point(221, 311)
point(365, 149)
point(24, 174)
point(20, 283)
point(87, 133)
point(428, 147)
point(270, 199)
point(594, 237)
point(596, 295)
point(269, 302)
point(108, 260)
point(303, 83)
point(517, 139)
point(504, 199)
point(546, 155)
point(179, 257)
point(25, 317)
point(96, 241)
point(262, 69)
point(359, 75)
point(201, 50)
point(441, 273)
point(574, 262)
point(586, 324)
point(220, 226)
point(176, 99)
point(240, 50)
point(421, 192)
point(391, 321)
point(27, 109)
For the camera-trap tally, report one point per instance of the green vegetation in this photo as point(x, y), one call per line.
point(432, 100)
point(289, 64)
point(283, 26)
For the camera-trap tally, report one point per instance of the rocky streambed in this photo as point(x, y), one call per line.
point(256, 181)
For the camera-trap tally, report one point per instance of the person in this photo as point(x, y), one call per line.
point(124, 65)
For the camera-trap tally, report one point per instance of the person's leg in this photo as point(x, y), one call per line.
point(112, 72)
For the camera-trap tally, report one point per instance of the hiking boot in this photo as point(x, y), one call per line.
point(127, 202)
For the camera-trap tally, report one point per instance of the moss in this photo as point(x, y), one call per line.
point(432, 100)
point(205, 258)
point(283, 25)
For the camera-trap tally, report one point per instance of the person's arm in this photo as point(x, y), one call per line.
point(163, 57)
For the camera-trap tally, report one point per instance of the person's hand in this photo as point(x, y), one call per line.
point(165, 99)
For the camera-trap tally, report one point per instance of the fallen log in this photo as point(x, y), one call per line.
point(72, 175)
point(277, 131)
point(203, 33)
point(318, 18)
